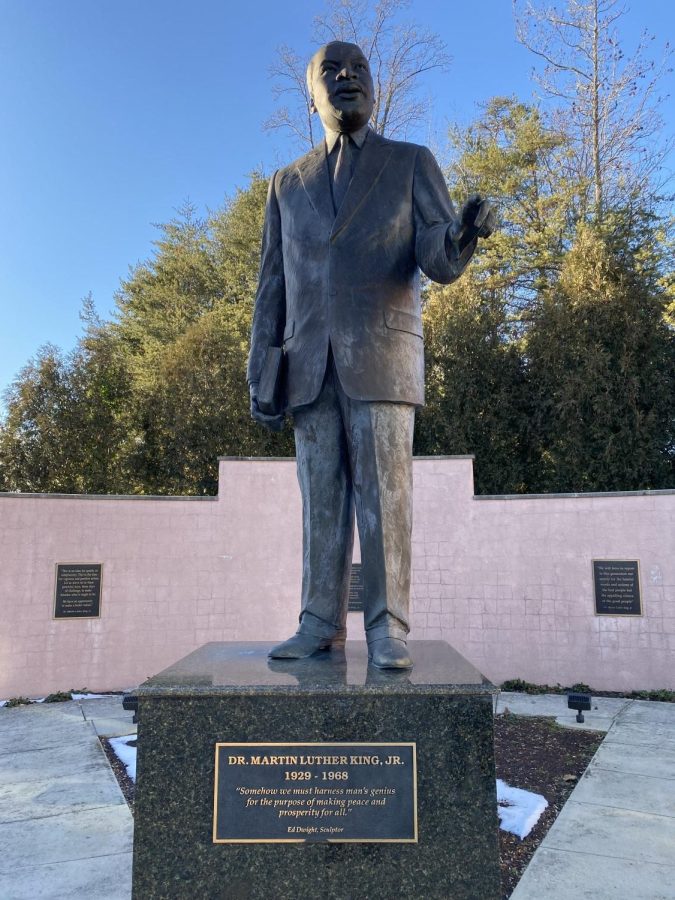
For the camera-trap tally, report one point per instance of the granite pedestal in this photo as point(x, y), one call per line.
point(440, 841)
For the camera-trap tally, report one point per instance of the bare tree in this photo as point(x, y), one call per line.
point(290, 88)
point(607, 101)
point(399, 54)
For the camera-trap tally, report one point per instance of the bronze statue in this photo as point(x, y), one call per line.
point(347, 229)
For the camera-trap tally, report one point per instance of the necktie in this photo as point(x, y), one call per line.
point(343, 171)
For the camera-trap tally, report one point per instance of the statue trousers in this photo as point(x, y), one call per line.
point(355, 455)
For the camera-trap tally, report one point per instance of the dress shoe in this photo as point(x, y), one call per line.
point(389, 653)
point(301, 645)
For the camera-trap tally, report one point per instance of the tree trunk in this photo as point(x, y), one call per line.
point(597, 170)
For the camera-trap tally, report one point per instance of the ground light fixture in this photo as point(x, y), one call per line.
point(579, 702)
point(130, 703)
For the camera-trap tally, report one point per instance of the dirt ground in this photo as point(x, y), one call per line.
point(530, 753)
point(537, 755)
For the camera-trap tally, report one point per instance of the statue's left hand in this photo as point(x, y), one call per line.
point(274, 423)
point(477, 218)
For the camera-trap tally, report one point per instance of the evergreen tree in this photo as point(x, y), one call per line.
point(475, 386)
point(601, 370)
point(477, 391)
point(198, 409)
point(510, 155)
point(63, 431)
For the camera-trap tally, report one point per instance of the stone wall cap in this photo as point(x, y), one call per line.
point(455, 456)
point(26, 495)
point(575, 496)
point(256, 459)
point(292, 458)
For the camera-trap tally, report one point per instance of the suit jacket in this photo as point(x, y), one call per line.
point(352, 280)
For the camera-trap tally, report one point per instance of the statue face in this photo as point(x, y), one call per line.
point(341, 87)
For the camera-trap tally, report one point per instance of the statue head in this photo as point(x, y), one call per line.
point(341, 86)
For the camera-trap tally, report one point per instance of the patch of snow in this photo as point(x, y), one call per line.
point(91, 696)
point(518, 810)
point(40, 700)
point(125, 754)
point(74, 696)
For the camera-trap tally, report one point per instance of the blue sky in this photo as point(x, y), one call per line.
point(114, 112)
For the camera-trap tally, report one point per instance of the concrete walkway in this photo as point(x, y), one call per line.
point(615, 837)
point(66, 832)
point(65, 829)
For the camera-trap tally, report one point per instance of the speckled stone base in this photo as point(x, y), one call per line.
point(231, 693)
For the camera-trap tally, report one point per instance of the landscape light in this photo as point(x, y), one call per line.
point(579, 702)
point(130, 702)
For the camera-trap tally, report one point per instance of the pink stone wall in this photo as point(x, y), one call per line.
point(507, 581)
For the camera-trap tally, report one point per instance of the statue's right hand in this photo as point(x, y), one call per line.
point(274, 423)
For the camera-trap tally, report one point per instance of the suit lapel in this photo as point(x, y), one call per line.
point(313, 171)
point(372, 160)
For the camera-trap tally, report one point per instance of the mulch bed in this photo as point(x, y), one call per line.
point(537, 755)
point(530, 752)
point(127, 786)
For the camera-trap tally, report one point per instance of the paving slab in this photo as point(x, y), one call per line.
point(36, 799)
point(564, 875)
point(110, 705)
point(66, 837)
point(28, 737)
point(109, 727)
point(68, 709)
point(591, 722)
point(618, 756)
point(611, 832)
point(641, 793)
point(80, 753)
point(648, 712)
point(105, 877)
point(642, 735)
point(108, 717)
point(36, 727)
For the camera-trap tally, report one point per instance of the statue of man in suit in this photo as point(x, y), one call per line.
point(348, 227)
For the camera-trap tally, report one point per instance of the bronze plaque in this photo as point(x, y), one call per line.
point(288, 793)
point(356, 589)
point(617, 587)
point(78, 591)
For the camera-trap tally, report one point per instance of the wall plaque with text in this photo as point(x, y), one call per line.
point(78, 591)
point(617, 587)
point(356, 589)
point(273, 793)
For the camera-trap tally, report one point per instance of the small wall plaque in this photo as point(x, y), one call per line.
point(356, 589)
point(617, 587)
point(339, 793)
point(77, 594)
